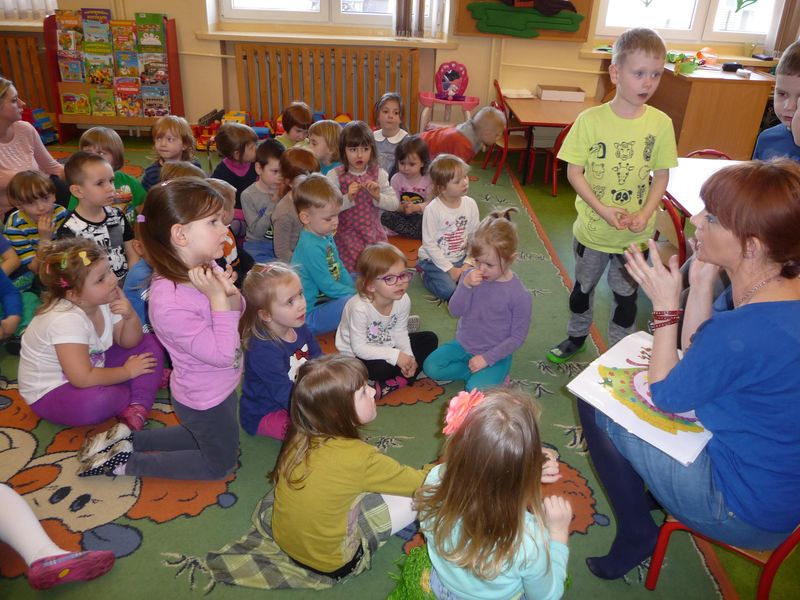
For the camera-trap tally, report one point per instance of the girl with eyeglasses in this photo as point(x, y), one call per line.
point(375, 323)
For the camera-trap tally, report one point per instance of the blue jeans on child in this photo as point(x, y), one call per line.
point(689, 493)
point(450, 361)
point(262, 251)
point(438, 282)
point(325, 317)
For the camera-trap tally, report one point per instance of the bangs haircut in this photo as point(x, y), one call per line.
point(499, 233)
point(75, 167)
point(413, 144)
point(29, 186)
point(322, 407)
point(375, 261)
point(297, 114)
point(179, 201)
point(498, 451)
point(634, 40)
point(444, 169)
point(789, 64)
point(107, 140)
point(5, 84)
point(354, 135)
point(315, 191)
point(298, 161)
point(389, 97)
point(259, 291)
point(62, 263)
point(179, 127)
point(226, 190)
point(330, 131)
point(269, 150)
point(233, 138)
point(760, 200)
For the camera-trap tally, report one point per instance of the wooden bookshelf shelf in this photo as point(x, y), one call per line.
point(108, 121)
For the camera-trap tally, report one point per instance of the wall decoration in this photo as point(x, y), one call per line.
point(566, 20)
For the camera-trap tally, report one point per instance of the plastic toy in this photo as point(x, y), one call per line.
point(451, 81)
point(236, 116)
point(42, 122)
point(342, 118)
point(204, 136)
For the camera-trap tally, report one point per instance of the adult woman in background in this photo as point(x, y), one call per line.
point(739, 374)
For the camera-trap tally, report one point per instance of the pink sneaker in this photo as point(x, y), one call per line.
point(65, 568)
point(134, 416)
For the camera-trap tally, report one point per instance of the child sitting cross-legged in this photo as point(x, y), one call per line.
point(286, 225)
point(260, 199)
point(173, 141)
point(375, 323)
point(327, 285)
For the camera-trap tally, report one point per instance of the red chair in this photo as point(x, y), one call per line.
point(708, 153)
point(551, 160)
point(678, 222)
point(510, 142)
point(769, 560)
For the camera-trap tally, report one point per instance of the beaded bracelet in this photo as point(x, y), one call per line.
point(666, 314)
point(665, 323)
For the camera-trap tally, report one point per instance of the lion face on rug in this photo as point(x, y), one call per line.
point(79, 513)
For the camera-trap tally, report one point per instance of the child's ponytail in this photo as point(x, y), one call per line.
point(498, 232)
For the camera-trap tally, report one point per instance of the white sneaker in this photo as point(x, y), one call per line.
point(414, 322)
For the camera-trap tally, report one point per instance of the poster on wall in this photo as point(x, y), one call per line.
point(563, 20)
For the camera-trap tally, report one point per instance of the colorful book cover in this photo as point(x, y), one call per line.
point(102, 102)
point(69, 33)
point(150, 33)
point(70, 69)
point(153, 68)
point(127, 64)
point(96, 33)
point(99, 65)
point(98, 15)
point(128, 96)
point(155, 100)
point(74, 98)
point(123, 36)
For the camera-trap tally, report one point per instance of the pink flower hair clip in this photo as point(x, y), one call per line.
point(63, 283)
point(458, 409)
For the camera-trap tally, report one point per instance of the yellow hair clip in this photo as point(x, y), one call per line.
point(84, 258)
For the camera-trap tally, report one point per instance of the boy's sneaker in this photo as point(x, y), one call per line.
point(102, 442)
point(105, 462)
point(414, 321)
point(65, 568)
point(564, 351)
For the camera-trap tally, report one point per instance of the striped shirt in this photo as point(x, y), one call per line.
point(23, 234)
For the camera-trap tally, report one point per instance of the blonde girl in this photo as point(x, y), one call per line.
point(494, 310)
point(173, 140)
point(326, 478)
point(490, 533)
point(389, 115)
point(194, 309)
point(323, 139)
point(276, 343)
point(375, 322)
point(129, 194)
point(413, 187)
point(365, 186)
point(84, 358)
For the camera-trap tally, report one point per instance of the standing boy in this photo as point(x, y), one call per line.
point(611, 151)
point(784, 138)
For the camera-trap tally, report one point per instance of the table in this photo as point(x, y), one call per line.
point(688, 177)
point(535, 112)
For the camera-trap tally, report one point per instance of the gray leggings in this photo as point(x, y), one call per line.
point(204, 446)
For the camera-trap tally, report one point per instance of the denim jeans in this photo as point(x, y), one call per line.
point(450, 362)
point(438, 282)
point(689, 493)
point(262, 251)
point(325, 317)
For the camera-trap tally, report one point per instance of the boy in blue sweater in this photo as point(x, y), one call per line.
point(327, 285)
point(784, 138)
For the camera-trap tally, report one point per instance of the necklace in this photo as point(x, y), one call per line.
point(745, 298)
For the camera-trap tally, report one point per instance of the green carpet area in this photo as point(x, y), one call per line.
point(161, 530)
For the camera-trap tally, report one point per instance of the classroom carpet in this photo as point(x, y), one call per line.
point(161, 530)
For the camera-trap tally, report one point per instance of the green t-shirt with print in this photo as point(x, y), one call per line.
point(618, 156)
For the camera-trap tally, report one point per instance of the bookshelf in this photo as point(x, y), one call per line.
point(66, 125)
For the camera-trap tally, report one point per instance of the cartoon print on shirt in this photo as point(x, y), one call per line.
point(644, 172)
point(623, 170)
point(624, 150)
point(621, 197)
point(380, 334)
point(452, 239)
point(333, 265)
point(598, 170)
point(599, 149)
point(599, 191)
point(411, 197)
point(641, 191)
point(649, 143)
point(298, 358)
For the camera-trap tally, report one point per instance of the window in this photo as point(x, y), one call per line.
point(26, 10)
point(695, 20)
point(350, 12)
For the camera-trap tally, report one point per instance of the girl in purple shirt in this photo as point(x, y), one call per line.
point(494, 310)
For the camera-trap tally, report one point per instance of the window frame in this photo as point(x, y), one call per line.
point(330, 13)
point(702, 30)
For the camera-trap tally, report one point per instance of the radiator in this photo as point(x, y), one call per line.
point(19, 62)
point(331, 80)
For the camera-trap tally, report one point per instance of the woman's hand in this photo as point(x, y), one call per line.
point(663, 286)
point(140, 364)
point(701, 274)
point(557, 517)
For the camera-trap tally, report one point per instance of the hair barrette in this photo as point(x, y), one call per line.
point(458, 409)
point(63, 283)
point(140, 218)
point(64, 260)
point(263, 267)
point(84, 258)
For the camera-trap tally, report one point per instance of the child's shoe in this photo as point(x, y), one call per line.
point(413, 323)
point(565, 350)
point(65, 568)
point(134, 416)
point(102, 442)
point(390, 385)
point(104, 463)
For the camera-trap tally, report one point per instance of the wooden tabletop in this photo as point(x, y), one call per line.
point(688, 177)
point(544, 113)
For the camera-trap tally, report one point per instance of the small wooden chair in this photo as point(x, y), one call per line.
point(551, 161)
point(769, 560)
point(671, 222)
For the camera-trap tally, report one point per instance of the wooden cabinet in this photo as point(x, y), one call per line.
point(713, 109)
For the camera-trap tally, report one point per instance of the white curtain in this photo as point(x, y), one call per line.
point(26, 10)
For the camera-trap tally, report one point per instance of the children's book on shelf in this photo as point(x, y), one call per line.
point(150, 33)
point(616, 384)
point(74, 98)
point(99, 63)
point(70, 69)
point(127, 64)
point(123, 35)
point(69, 33)
point(128, 96)
point(102, 101)
point(155, 100)
point(153, 68)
